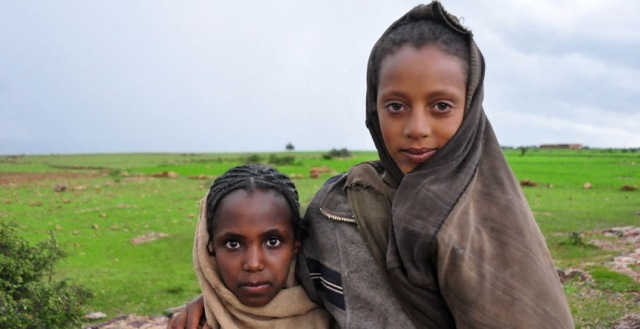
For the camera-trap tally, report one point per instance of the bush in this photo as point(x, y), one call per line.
point(253, 159)
point(283, 160)
point(342, 153)
point(28, 296)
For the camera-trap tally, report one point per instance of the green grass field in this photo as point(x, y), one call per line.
point(98, 216)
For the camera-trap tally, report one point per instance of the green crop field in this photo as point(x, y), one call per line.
point(111, 199)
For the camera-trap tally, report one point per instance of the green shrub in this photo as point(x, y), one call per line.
point(28, 296)
point(283, 160)
point(341, 153)
point(253, 159)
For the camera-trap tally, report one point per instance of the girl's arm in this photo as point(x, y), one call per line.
point(191, 316)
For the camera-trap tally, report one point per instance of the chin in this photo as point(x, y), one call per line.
point(255, 302)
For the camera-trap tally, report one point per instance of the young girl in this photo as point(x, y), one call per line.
point(441, 217)
point(437, 234)
point(246, 241)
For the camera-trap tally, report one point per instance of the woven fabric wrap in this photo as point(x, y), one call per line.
point(291, 308)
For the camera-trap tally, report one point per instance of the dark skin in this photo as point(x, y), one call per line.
point(254, 241)
point(190, 319)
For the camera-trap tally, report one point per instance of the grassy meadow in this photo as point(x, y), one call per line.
point(111, 199)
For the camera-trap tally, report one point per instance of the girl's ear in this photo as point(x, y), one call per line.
point(296, 246)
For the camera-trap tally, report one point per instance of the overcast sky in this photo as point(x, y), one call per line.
point(241, 76)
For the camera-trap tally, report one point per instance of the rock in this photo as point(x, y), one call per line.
point(95, 316)
point(171, 311)
point(151, 236)
point(165, 174)
point(61, 187)
point(527, 182)
point(131, 321)
point(568, 274)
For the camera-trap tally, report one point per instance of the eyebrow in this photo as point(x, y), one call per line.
point(437, 93)
point(231, 235)
point(274, 231)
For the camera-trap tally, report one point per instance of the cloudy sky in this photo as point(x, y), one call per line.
point(241, 76)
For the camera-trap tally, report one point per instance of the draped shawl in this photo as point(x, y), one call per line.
point(291, 308)
point(463, 247)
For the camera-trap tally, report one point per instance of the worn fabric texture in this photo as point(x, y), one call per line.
point(464, 250)
point(291, 308)
point(338, 269)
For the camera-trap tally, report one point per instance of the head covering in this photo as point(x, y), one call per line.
point(433, 11)
point(291, 308)
point(464, 249)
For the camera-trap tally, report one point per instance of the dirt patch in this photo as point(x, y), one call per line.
point(628, 262)
point(630, 321)
point(18, 178)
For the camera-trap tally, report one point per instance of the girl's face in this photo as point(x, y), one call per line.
point(421, 99)
point(254, 244)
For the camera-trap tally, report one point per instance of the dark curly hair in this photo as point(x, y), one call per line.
point(419, 34)
point(251, 178)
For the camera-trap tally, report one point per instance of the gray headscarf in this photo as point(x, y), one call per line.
point(464, 249)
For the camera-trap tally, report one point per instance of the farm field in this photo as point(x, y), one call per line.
point(112, 203)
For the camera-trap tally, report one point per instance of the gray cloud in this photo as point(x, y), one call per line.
point(117, 76)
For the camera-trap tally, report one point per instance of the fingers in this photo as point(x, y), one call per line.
point(194, 314)
point(190, 317)
point(177, 322)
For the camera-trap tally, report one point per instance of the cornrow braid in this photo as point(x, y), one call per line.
point(251, 178)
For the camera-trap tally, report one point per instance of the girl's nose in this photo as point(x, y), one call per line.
point(418, 125)
point(254, 260)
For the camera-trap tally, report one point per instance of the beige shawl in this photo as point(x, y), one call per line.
point(291, 308)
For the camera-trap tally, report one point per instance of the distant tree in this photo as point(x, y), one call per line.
point(289, 147)
point(523, 150)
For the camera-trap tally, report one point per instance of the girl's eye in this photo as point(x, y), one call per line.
point(274, 242)
point(443, 107)
point(394, 107)
point(232, 244)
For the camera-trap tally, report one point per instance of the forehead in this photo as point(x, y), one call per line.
point(241, 210)
point(421, 64)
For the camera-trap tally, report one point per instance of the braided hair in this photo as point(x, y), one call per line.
point(251, 178)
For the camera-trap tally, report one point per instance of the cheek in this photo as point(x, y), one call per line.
point(456, 124)
point(388, 132)
point(227, 267)
point(281, 262)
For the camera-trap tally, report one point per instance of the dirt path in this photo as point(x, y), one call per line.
point(18, 178)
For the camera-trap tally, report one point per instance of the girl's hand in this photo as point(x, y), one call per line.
point(190, 317)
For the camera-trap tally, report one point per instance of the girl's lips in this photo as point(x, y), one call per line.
point(255, 288)
point(418, 155)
